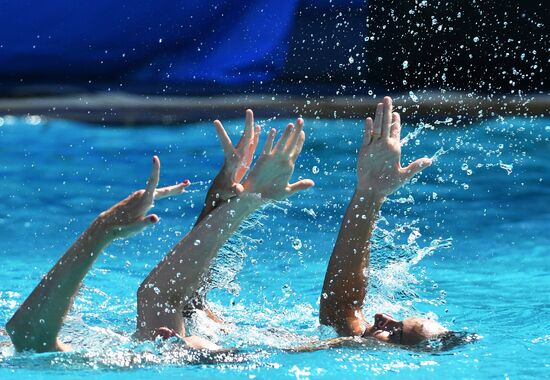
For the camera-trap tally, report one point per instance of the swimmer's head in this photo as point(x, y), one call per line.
point(409, 332)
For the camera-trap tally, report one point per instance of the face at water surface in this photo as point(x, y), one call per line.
point(408, 332)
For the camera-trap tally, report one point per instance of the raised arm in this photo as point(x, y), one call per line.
point(226, 184)
point(379, 173)
point(237, 160)
point(177, 277)
point(36, 324)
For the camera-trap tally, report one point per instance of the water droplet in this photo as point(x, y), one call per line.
point(415, 234)
point(197, 242)
point(315, 170)
point(507, 167)
point(297, 244)
point(310, 212)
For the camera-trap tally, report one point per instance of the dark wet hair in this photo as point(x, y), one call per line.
point(447, 341)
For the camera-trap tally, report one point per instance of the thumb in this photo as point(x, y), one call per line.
point(300, 185)
point(416, 166)
point(237, 188)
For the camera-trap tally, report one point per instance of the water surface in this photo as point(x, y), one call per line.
point(467, 243)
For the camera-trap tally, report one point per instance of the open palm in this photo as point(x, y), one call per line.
point(379, 165)
point(271, 174)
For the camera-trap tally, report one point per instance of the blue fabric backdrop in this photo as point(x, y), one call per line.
point(139, 42)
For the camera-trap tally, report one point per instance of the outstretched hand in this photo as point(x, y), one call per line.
point(270, 175)
point(128, 217)
point(237, 158)
point(379, 165)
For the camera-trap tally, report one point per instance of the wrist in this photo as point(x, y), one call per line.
point(101, 228)
point(225, 177)
point(368, 197)
point(222, 185)
point(248, 201)
point(365, 189)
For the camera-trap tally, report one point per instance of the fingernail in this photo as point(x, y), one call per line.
point(153, 218)
point(186, 182)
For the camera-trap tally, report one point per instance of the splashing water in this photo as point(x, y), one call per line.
point(230, 259)
point(415, 133)
point(392, 281)
point(277, 306)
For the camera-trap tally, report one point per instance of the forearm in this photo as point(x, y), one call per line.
point(38, 320)
point(328, 344)
point(178, 276)
point(345, 284)
point(220, 189)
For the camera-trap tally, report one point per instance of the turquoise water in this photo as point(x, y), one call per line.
point(467, 243)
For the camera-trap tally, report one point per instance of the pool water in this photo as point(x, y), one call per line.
point(467, 243)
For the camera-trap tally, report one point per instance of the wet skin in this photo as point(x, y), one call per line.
point(410, 331)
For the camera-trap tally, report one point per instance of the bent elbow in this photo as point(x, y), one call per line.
point(10, 327)
point(344, 323)
point(331, 318)
point(19, 337)
point(27, 337)
point(325, 318)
